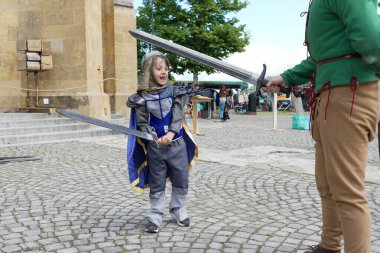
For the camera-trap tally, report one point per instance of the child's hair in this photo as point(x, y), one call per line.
point(163, 57)
point(150, 58)
point(147, 63)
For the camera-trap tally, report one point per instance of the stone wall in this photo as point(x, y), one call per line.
point(87, 46)
point(9, 77)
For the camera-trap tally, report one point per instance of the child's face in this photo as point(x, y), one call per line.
point(160, 71)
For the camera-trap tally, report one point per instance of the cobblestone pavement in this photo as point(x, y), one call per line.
point(249, 192)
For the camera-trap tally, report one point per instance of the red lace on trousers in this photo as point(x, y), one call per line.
point(354, 84)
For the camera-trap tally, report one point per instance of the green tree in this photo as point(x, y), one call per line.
point(207, 26)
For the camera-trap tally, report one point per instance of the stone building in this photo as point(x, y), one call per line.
point(94, 56)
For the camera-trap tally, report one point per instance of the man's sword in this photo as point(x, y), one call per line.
point(121, 129)
point(209, 61)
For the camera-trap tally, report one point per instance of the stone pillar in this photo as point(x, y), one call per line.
point(125, 54)
point(119, 53)
point(109, 51)
point(98, 100)
point(10, 82)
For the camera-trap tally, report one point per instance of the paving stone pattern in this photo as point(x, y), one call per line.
point(77, 199)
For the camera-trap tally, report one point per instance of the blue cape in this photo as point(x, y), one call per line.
point(138, 168)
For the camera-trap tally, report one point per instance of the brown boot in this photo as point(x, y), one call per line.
point(319, 249)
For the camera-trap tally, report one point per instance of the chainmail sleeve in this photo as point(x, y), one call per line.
point(182, 94)
point(178, 112)
point(136, 101)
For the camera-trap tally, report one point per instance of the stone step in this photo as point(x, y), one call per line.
point(12, 140)
point(28, 128)
point(21, 115)
point(33, 129)
point(121, 121)
point(34, 122)
point(117, 116)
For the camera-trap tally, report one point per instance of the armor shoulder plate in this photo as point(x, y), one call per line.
point(184, 89)
point(135, 100)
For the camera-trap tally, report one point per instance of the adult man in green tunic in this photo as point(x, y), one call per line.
point(343, 40)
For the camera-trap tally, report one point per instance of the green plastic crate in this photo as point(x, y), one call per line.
point(301, 122)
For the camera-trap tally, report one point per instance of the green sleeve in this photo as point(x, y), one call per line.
point(299, 74)
point(362, 27)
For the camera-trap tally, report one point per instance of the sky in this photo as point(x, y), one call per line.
point(276, 38)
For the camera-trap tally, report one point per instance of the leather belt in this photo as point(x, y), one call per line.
point(347, 56)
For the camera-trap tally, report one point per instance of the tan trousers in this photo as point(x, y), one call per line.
point(341, 158)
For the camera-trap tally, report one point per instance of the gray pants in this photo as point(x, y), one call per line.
point(168, 160)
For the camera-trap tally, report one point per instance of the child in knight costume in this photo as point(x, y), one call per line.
point(158, 108)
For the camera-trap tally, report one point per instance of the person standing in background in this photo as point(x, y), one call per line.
point(222, 101)
point(235, 98)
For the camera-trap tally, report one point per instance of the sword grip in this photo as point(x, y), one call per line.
point(262, 82)
point(154, 136)
point(286, 91)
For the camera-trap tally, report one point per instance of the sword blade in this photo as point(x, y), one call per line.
point(18, 159)
point(105, 124)
point(209, 61)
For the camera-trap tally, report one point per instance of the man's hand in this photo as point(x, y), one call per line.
point(166, 139)
point(274, 84)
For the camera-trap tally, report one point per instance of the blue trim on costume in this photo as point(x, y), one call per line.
point(136, 157)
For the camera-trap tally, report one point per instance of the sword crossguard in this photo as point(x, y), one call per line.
point(262, 82)
point(189, 89)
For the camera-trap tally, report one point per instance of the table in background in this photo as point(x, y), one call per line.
point(195, 101)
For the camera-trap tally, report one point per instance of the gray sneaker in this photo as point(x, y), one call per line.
point(184, 223)
point(151, 227)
